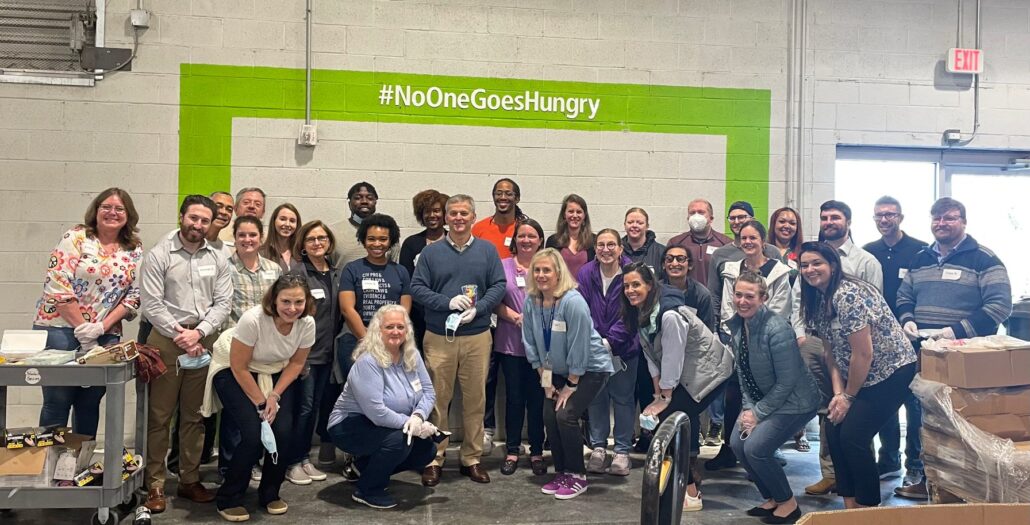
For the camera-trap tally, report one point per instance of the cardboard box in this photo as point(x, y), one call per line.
point(981, 402)
point(972, 367)
point(1007, 426)
point(966, 514)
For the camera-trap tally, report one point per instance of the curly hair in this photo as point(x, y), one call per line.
point(425, 200)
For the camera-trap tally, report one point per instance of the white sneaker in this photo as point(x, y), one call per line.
point(691, 503)
point(312, 472)
point(297, 476)
point(488, 442)
point(620, 465)
point(255, 474)
point(596, 462)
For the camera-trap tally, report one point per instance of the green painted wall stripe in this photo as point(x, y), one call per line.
point(212, 95)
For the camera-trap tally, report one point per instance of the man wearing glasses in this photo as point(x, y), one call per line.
point(955, 289)
point(895, 251)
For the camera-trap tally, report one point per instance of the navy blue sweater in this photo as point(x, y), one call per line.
point(442, 271)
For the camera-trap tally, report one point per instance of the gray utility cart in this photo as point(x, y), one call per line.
point(113, 493)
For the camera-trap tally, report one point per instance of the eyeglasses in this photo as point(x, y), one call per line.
point(886, 215)
point(321, 239)
point(107, 208)
point(946, 218)
point(739, 218)
point(611, 246)
point(676, 258)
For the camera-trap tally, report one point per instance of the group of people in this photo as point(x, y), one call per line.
point(346, 332)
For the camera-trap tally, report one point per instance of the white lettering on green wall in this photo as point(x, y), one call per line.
point(480, 99)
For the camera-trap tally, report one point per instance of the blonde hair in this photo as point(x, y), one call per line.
point(372, 343)
point(565, 280)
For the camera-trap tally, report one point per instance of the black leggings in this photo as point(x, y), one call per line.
point(851, 441)
point(682, 402)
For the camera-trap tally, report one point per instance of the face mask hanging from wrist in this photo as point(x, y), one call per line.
point(268, 440)
point(453, 321)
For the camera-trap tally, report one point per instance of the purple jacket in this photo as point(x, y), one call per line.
point(606, 309)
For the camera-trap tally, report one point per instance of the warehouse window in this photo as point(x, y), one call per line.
point(42, 41)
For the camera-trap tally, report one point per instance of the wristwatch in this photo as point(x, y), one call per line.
point(262, 407)
point(571, 386)
point(662, 397)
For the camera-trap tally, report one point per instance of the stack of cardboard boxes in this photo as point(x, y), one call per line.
point(976, 418)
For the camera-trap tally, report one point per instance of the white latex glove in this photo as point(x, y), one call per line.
point(412, 425)
point(427, 430)
point(468, 315)
point(88, 333)
point(946, 333)
point(911, 330)
point(460, 302)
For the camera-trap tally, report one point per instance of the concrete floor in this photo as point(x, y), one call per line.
point(512, 499)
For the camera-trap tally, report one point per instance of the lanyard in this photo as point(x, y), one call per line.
point(547, 324)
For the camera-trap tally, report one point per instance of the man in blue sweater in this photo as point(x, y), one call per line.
point(955, 287)
point(459, 282)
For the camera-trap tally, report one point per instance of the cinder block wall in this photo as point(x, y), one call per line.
point(869, 79)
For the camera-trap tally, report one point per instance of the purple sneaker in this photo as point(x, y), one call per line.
point(556, 484)
point(573, 487)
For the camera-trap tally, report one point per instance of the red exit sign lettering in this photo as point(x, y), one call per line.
point(962, 60)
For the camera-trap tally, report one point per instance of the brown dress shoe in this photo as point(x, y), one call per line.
point(156, 500)
point(195, 492)
point(431, 476)
point(476, 473)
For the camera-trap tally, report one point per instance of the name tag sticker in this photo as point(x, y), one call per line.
point(416, 385)
point(951, 274)
point(318, 293)
point(520, 281)
point(370, 284)
point(507, 241)
point(545, 377)
point(269, 275)
point(710, 250)
point(902, 272)
point(208, 270)
point(558, 326)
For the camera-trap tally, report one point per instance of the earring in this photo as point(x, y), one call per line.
point(303, 251)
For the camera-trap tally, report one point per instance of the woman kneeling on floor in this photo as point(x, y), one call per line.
point(381, 415)
point(256, 384)
point(779, 395)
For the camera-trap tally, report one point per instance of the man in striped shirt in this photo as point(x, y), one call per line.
point(955, 288)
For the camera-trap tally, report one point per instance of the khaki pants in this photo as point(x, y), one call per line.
point(812, 353)
point(184, 389)
point(466, 360)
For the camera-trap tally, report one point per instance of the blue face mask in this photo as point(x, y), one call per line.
point(648, 422)
point(268, 440)
point(188, 362)
point(451, 325)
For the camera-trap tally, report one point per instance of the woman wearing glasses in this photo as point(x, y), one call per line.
point(779, 395)
point(315, 243)
point(689, 364)
point(89, 289)
point(677, 262)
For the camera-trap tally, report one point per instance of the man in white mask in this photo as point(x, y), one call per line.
point(701, 240)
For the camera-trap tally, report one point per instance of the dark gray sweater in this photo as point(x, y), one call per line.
point(442, 271)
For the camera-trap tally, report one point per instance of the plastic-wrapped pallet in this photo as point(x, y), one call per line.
point(964, 460)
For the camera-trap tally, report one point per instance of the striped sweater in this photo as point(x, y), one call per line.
point(968, 291)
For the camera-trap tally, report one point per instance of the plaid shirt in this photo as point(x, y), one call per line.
point(249, 287)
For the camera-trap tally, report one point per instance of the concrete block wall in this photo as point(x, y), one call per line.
point(870, 78)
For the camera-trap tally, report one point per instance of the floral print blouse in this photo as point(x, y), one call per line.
point(80, 269)
point(859, 305)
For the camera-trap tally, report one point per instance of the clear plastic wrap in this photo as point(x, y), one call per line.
point(964, 460)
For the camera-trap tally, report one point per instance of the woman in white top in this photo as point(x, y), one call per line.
point(256, 384)
point(776, 274)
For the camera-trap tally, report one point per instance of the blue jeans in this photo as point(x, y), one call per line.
point(756, 452)
point(380, 452)
point(717, 410)
point(311, 390)
point(58, 401)
point(890, 438)
point(619, 392)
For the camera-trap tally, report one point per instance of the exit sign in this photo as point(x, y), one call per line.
point(969, 61)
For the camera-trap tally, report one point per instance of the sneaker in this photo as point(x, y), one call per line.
point(692, 503)
point(596, 462)
point(488, 442)
point(255, 474)
point(555, 484)
point(574, 486)
point(714, 436)
point(912, 476)
point(297, 476)
point(916, 491)
point(643, 442)
point(326, 455)
point(351, 472)
point(312, 472)
point(888, 471)
point(383, 501)
point(277, 507)
point(620, 465)
point(234, 514)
